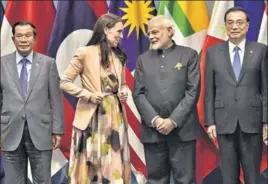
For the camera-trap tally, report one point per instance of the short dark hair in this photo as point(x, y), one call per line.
point(235, 9)
point(24, 23)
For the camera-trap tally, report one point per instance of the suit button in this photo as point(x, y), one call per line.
point(162, 66)
point(236, 98)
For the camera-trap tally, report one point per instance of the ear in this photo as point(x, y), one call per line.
point(13, 38)
point(248, 25)
point(106, 30)
point(169, 31)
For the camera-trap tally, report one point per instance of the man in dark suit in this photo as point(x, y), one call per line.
point(31, 109)
point(166, 90)
point(235, 102)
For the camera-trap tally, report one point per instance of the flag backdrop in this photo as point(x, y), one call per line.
point(68, 25)
point(217, 34)
point(2, 12)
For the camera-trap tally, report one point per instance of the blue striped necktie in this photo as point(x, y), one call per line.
point(236, 62)
point(24, 77)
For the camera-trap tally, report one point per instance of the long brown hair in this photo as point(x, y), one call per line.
point(106, 20)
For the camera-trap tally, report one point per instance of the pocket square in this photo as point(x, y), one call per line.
point(178, 66)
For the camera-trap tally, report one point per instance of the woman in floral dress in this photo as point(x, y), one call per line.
point(99, 150)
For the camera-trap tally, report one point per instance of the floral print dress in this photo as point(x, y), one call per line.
point(100, 153)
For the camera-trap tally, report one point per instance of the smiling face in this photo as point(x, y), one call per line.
point(115, 34)
point(236, 26)
point(159, 35)
point(24, 39)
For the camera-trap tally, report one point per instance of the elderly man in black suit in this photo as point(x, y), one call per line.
point(166, 90)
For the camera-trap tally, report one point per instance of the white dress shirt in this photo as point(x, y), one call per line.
point(241, 51)
point(28, 66)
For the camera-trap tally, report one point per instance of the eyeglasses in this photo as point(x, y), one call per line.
point(231, 24)
point(21, 36)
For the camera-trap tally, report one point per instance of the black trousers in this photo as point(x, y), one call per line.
point(240, 148)
point(175, 155)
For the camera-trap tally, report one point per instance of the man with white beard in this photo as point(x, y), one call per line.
point(166, 91)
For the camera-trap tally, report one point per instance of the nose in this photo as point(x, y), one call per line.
point(23, 39)
point(150, 36)
point(235, 26)
point(121, 35)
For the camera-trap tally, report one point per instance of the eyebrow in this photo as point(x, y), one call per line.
point(26, 33)
point(154, 29)
point(233, 19)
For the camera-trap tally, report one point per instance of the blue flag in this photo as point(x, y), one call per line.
point(135, 23)
point(255, 10)
point(2, 13)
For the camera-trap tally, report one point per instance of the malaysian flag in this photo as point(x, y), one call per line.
point(73, 26)
point(63, 26)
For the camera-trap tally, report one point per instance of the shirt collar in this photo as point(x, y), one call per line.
point(19, 57)
point(162, 51)
point(241, 45)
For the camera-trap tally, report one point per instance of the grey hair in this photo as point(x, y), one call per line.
point(165, 22)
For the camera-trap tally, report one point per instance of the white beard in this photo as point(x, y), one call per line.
point(156, 46)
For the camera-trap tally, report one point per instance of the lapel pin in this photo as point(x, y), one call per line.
point(178, 66)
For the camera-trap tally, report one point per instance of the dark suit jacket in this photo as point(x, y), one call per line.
point(162, 89)
point(227, 100)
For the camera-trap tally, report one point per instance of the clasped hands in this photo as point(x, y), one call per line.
point(163, 126)
point(97, 97)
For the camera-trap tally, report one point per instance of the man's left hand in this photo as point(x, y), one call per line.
point(166, 127)
point(56, 140)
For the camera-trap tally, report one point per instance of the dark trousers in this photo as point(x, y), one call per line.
point(175, 155)
point(16, 162)
point(240, 148)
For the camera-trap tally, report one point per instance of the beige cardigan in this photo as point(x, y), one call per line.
point(86, 63)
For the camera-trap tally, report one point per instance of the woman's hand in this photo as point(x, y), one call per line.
point(123, 96)
point(96, 98)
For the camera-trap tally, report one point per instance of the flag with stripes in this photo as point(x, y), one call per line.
point(134, 42)
point(63, 29)
point(73, 28)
